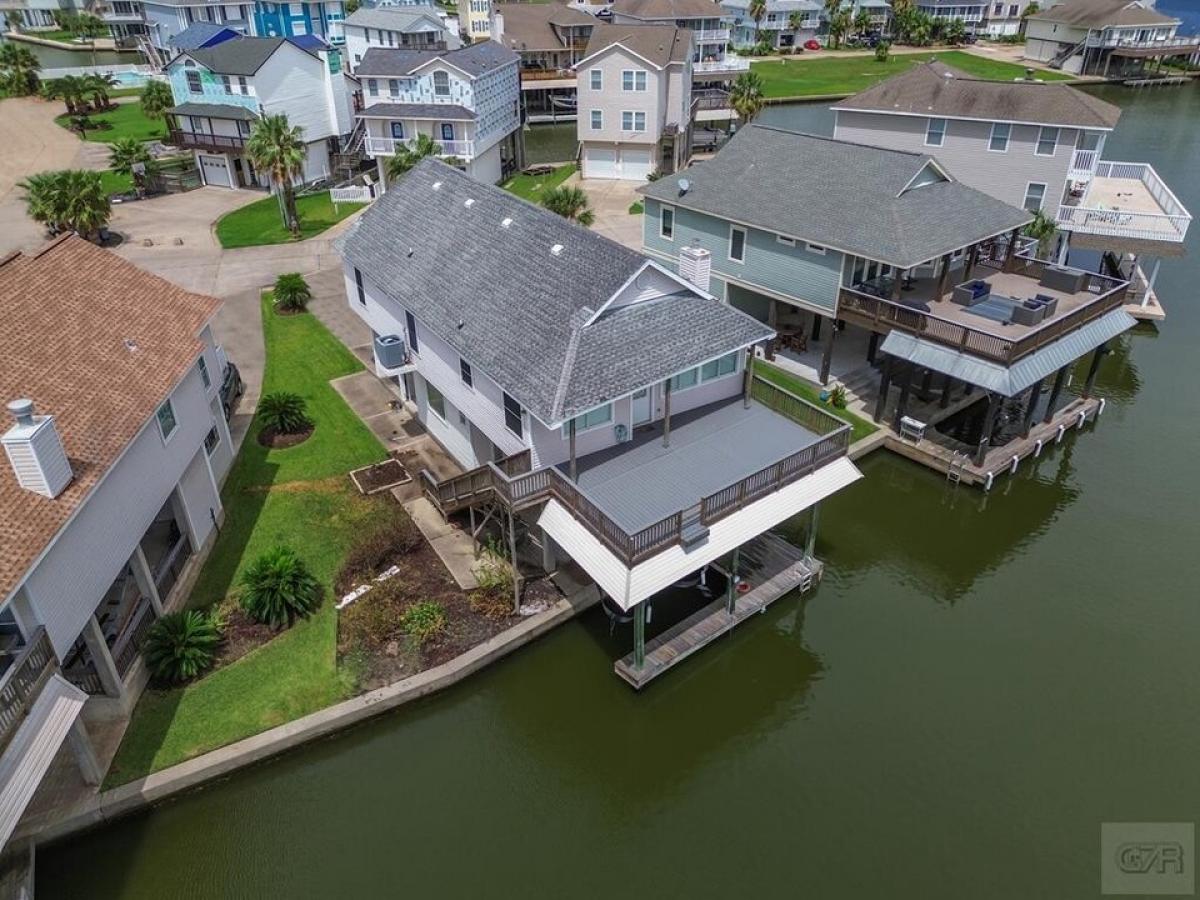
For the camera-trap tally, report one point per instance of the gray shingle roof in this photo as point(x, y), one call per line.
point(214, 111)
point(392, 18)
point(528, 26)
point(658, 44)
point(669, 9)
point(243, 56)
point(513, 309)
point(1102, 14)
point(936, 89)
point(198, 34)
point(848, 196)
point(448, 112)
point(475, 60)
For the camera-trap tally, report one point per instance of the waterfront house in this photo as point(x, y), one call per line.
point(776, 26)
point(712, 58)
point(479, 21)
point(403, 27)
point(887, 256)
point(595, 395)
point(467, 100)
point(635, 101)
point(1005, 17)
point(550, 39)
point(943, 12)
point(1105, 37)
point(114, 451)
point(221, 91)
point(1039, 145)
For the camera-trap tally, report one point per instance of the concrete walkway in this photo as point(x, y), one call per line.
point(611, 199)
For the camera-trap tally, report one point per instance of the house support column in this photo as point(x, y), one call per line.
point(943, 277)
point(872, 347)
point(989, 422)
point(1064, 247)
point(827, 356)
point(947, 387)
point(639, 634)
point(1150, 283)
point(145, 580)
point(897, 284)
point(972, 259)
point(1010, 251)
point(885, 383)
point(1094, 369)
point(667, 413)
point(810, 538)
point(106, 669)
point(574, 461)
point(512, 548)
point(731, 590)
point(1031, 404)
point(902, 403)
point(85, 756)
point(816, 335)
point(1059, 381)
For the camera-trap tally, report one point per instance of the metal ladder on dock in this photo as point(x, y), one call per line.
point(957, 462)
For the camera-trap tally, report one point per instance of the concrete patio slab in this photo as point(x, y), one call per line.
point(610, 201)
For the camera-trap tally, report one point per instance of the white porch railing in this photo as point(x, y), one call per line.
point(1083, 164)
point(1132, 43)
point(728, 64)
point(711, 36)
point(386, 146)
point(1171, 224)
point(356, 193)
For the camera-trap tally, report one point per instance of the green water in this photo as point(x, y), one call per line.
point(56, 58)
point(977, 685)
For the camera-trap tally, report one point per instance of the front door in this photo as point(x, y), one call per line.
point(641, 407)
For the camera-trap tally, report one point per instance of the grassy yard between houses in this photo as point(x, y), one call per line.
point(124, 120)
point(859, 427)
point(834, 75)
point(115, 182)
point(298, 496)
point(260, 222)
point(532, 187)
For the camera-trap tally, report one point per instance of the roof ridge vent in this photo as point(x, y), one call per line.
point(469, 202)
point(506, 222)
point(437, 185)
point(556, 250)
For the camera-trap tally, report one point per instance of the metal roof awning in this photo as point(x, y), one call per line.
point(33, 748)
point(214, 111)
point(628, 587)
point(1021, 375)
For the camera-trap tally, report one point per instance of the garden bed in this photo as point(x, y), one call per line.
point(379, 477)
point(276, 440)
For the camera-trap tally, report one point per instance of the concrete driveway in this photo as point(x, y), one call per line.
point(610, 201)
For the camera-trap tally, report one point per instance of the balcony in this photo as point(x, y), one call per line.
point(197, 140)
point(984, 331)
point(21, 683)
point(1083, 165)
point(1175, 44)
point(246, 99)
point(385, 146)
point(728, 65)
point(1126, 200)
point(711, 36)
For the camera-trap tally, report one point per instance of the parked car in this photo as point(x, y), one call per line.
point(231, 389)
point(811, 44)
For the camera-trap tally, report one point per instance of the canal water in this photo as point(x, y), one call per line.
point(54, 58)
point(978, 684)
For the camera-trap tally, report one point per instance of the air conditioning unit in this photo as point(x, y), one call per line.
point(389, 351)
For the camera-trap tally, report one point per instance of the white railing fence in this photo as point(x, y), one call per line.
point(386, 146)
point(1084, 161)
point(728, 64)
point(355, 193)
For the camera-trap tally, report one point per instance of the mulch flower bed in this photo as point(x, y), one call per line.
point(273, 439)
point(379, 477)
point(240, 635)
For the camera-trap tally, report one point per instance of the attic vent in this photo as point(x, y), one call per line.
point(469, 202)
point(556, 250)
point(506, 222)
point(35, 451)
point(437, 185)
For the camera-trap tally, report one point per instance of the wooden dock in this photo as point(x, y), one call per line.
point(769, 564)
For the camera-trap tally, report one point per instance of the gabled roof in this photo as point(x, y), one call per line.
point(243, 56)
point(1103, 14)
point(933, 88)
point(214, 111)
point(393, 18)
point(97, 343)
point(887, 205)
point(516, 310)
point(527, 26)
point(308, 42)
point(659, 45)
point(201, 34)
point(669, 9)
point(474, 60)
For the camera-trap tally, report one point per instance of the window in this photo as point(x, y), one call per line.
point(597, 119)
point(633, 80)
point(197, 124)
point(999, 139)
point(737, 244)
point(685, 380)
point(204, 376)
point(633, 121)
point(397, 131)
point(786, 241)
point(512, 415)
point(666, 223)
point(437, 403)
point(441, 84)
point(193, 83)
point(935, 132)
point(719, 368)
point(815, 248)
point(1035, 195)
point(243, 86)
point(410, 325)
point(211, 440)
point(394, 87)
point(1047, 142)
point(358, 286)
point(166, 420)
point(447, 131)
point(372, 87)
point(593, 418)
point(464, 371)
point(227, 83)
point(597, 80)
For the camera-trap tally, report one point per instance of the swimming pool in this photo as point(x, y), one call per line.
point(130, 79)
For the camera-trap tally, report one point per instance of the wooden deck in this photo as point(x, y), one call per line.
point(772, 567)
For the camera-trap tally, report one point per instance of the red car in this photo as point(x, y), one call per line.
point(810, 44)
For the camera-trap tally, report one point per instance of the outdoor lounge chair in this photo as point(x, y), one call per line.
point(1028, 312)
point(971, 292)
point(1050, 303)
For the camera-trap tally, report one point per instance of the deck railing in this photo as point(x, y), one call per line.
point(20, 685)
point(1109, 39)
point(728, 64)
point(198, 140)
point(519, 488)
point(386, 146)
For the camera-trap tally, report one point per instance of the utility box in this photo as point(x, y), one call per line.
point(389, 350)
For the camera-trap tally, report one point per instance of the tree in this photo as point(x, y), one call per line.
point(352, 6)
point(97, 86)
point(181, 645)
point(277, 148)
point(955, 32)
point(758, 11)
point(862, 21)
point(1043, 228)
point(13, 18)
point(571, 203)
point(126, 153)
point(18, 70)
point(796, 22)
point(882, 51)
point(408, 155)
point(157, 99)
point(277, 588)
point(913, 26)
point(284, 413)
point(68, 200)
point(69, 89)
point(839, 26)
point(292, 292)
point(746, 96)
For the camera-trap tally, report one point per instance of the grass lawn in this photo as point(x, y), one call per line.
point(532, 187)
point(125, 120)
point(298, 496)
point(859, 427)
point(260, 223)
point(115, 183)
point(849, 75)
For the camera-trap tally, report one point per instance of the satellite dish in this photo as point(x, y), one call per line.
point(684, 185)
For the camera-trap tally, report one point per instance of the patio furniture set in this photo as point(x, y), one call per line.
point(977, 296)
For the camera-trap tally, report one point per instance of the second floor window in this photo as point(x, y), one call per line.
point(633, 121)
point(410, 325)
point(464, 371)
point(204, 376)
point(441, 84)
point(393, 87)
point(227, 83)
point(397, 131)
point(737, 244)
point(935, 132)
point(597, 119)
point(1047, 142)
point(358, 287)
point(1035, 196)
point(597, 79)
point(167, 423)
point(513, 416)
point(193, 82)
point(999, 139)
point(372, 87)
point(666, 223)
point(633, 80)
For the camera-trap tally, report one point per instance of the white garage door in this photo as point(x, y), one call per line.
point(600, 162)
point(216, 171)
point(635, 164)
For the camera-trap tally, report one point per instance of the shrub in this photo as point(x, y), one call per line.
point(423, 621)
point(492, 572)
point(284, 413)
point(378, 550)
point(838, 396)
point(882, 51)
point(278, 588)
point(181, 645)
point(292, 293)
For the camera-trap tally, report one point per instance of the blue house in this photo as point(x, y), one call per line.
point(323, 18)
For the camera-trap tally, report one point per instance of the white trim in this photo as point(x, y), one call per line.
point(592, 126)
point(729, 244)
point(1025, 198)
point(929, 120)
point(613, 46)
point(663, 207)
point(914, 115)
point(633, 73)
point(592, 80)
point(628, 281)
point(1057, 141)
point(1007, 137)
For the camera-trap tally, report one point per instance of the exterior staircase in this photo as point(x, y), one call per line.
point(147, 49)
point(1061, 58)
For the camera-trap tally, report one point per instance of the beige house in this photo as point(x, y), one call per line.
point(1105, 37)
point(635, 101)
point(550, 38)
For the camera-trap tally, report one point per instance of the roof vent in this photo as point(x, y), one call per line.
point(556, 250)
point(437, 185)
point(506, 222)
point(695, 265)
point(469, 202)
point(131, 345)
point(684, 186)
point(36, 452)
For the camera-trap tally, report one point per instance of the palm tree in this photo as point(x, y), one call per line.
point(68, 200)
point(124, 153)
point(157, 99)
point(1043, 228)
point(408, 155)
point(746, 96)
point(758, 11)
point(277, 148)
point(862, 21)
point(67, 89)
point(97, 86)
point(292, 292)
point(954, 32)
point(832, 8)
point(13, 18)
point(901, 6)
point(571, 203)
point(18, 70)
point(839, 25)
